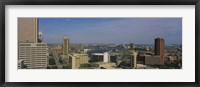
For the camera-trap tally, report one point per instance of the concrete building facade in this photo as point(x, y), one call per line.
point(78, 59)
point(34, 55)
point(27, 30)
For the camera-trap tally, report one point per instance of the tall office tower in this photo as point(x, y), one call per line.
point(66, 46)
point(34, 55)
point(27, 30)
point(159, 49)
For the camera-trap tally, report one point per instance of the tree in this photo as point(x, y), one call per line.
point(89, 66)
point(50, 54)
point(52, 61)
point(54, 67)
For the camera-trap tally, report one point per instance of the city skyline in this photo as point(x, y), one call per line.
point(36, 53)
point(111, 30)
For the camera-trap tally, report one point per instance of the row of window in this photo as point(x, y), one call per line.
point(33, 48)
point(42, 54)
point(35, 57)
point(30, 45)
point(25, 44)
point(32, 51)
point(29, 53)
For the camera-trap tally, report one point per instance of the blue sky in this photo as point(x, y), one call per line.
point(111, 30)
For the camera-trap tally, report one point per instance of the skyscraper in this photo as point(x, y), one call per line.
point(27, 30)
point(159, 49)
point(66, 46)
point(33, 54)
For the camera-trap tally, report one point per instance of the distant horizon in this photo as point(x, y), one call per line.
point(113, 43)
point(111, 30)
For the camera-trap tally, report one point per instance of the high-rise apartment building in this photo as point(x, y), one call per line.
point(34, 55)
point(27, 30)
point(66, 46)
point(159, 49)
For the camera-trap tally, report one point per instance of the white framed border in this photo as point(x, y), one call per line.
point(187, 74)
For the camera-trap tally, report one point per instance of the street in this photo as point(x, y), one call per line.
point(56, 58)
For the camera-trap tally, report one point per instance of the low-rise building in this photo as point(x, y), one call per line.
point(152, 60)
point(77, 59)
